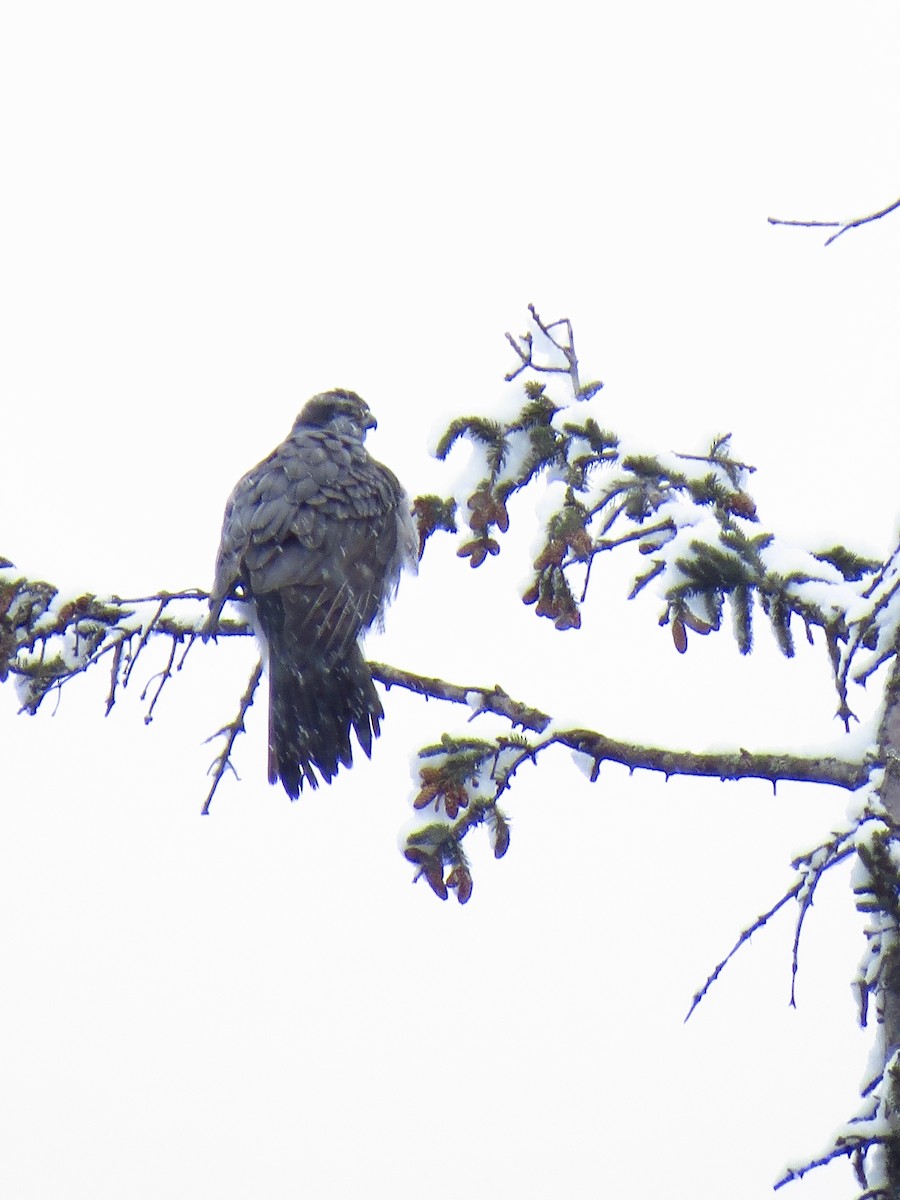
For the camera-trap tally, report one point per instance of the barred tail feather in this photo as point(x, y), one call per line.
point(314, 702)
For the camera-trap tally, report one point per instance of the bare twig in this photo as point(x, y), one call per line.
point(114, 675)
point(810, 883)
point(841, 1149)
point(715, 461)
point(162, 594)
point(114, 644)
point(143, 639)
point(524, 348)
point(745, 936)
point(494, 700)
point(166, 674)
point(231, 731)
point(810, 867)
point(841, 226)
point(162, 676)
point(740, 765)
point(636, 535)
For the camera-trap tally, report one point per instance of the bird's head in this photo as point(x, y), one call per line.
point(338, 409)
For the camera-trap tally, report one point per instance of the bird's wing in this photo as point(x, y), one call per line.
point(324, 526)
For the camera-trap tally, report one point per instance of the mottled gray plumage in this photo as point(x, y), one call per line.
point(314, 539)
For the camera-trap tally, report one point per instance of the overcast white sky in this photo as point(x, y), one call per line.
point(207, 213)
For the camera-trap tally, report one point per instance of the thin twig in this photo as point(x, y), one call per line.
point(163, 675)
point(567, 350)
point(494, 700)
point(142, 641)
point(162, 594)
point(114, 675)
point(744, 937)
point(166, 674)
point(232, 730)
point(718, 462)
point(841, 226)
point(805, 905)
point(524, 348)
point(851, 1146)
point(636, 535)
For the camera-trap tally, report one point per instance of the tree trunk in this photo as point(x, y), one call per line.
point(888, 888)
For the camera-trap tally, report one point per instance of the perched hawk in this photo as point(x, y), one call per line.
point(314, 539)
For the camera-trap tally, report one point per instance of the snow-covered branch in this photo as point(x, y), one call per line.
point(687, 516)
point(48, 639)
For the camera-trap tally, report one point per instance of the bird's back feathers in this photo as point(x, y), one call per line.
point(315, 537)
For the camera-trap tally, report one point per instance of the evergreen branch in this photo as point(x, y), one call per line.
point(722, 765)
point(863, 627)
point(122, 622)
point(635, 535)
point(462, 774)
point(881, 571)
point(717, 460)
point(862, 673)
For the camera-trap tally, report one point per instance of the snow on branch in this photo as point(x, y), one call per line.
point(691, 522)
point(809, 869)
point(526, 347)
point(47, 639)
point(686, 516)
point(871, 1138)
point(853, 1144)
point(462, 779)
